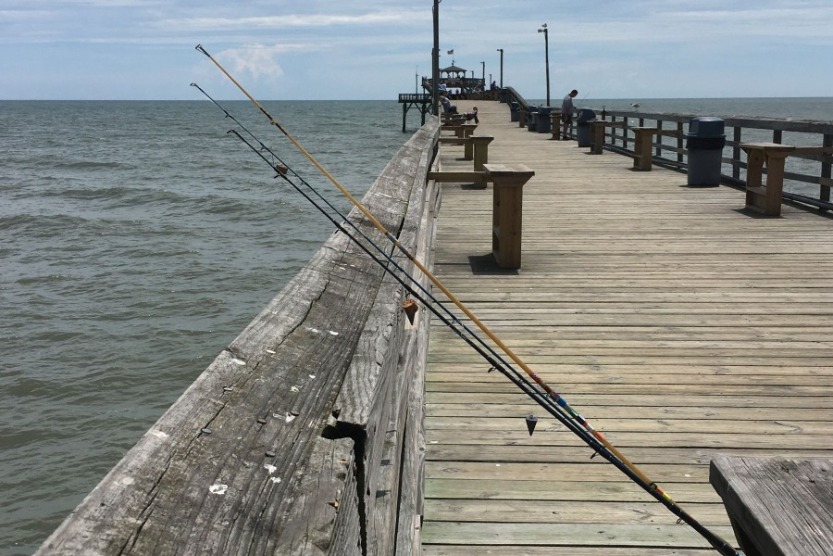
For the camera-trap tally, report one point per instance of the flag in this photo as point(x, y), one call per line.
point(451, 52)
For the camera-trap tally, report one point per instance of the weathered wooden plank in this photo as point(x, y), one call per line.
point(598, 534)
point(821, 413)
point(578, 452)
point(482, 550)
point(567, 511)
point(624, 439)
point(646, 400)
point(554, 489)
point(669, 426)
point(778, 506)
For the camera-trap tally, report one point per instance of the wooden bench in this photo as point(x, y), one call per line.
point(476, 148)
point(507, 211)
point(761, 197)
point(777, 507)
point(644, 145)
point(599, 134)
point(766, 197)
point(460, 130)
point(452, 118)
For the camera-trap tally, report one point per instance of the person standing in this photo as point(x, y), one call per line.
point(567, 110)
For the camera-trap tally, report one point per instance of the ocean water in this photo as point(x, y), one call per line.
point(137, 239)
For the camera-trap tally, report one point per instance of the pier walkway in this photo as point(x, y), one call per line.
point(675, 322)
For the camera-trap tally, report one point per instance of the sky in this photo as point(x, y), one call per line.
point(339, 49)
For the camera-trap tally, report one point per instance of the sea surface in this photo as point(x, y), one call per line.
point(138, 239)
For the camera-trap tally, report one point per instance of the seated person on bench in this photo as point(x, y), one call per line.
point(447, 106)
point(472, 116)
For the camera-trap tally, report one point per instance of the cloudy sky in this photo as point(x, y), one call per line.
point(340, 49)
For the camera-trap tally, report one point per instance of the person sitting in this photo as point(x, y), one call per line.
point(447, 106)
point(472, 115)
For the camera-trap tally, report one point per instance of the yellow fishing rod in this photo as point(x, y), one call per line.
point(434, 280)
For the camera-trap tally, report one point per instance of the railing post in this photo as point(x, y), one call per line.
point(680, 143)
point(736, 153)
point(824, 190)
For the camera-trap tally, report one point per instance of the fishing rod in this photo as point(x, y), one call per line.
point(434, 280)
point(571, 414)
point(450, 319)
point(496, 362)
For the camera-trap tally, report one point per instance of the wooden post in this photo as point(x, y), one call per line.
point(481, 150)
point(643, 137)
point(555, 124)
point(507, 211)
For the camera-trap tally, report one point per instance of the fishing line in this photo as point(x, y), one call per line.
point(609, 452)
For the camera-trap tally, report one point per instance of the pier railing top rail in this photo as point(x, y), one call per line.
point(774, 124)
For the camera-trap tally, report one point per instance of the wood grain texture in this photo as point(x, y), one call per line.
point(680, 325)
point(778, 506)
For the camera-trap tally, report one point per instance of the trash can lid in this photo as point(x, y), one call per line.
point(706, 126)
point(585, 115)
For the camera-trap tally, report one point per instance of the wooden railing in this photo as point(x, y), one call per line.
point(304, 436)
point(808, 175)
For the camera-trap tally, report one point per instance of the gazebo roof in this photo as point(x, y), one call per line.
point(453, 69)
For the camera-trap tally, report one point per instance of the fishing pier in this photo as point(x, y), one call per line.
point(682, 325)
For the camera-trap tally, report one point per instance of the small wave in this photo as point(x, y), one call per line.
point(42, 225)
point(90, 165)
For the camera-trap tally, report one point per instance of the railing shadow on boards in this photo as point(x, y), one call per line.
point(305, 435)
point(807, 175)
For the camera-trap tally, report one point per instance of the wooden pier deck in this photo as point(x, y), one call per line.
point(675, 322)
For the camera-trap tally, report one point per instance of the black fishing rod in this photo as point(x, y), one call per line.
point(425, 296)
point(561, 409)
point(484, 349)
point(513, 375)
point(434, 280)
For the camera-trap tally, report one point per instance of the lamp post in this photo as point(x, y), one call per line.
point(435, 62)
point(483, 74)
point(543, 29)
point(501, 67)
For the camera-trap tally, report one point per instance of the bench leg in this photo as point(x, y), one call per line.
point(774, 184)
